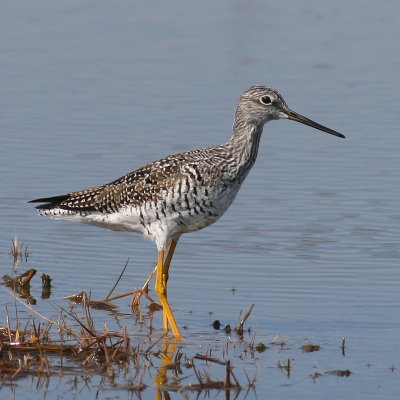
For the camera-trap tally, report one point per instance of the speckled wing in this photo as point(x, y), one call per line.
point(144, 184)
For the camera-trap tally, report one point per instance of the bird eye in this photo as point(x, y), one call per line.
point(266, 100)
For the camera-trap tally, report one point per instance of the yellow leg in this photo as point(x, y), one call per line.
point(171, 249)
point(167, 263)
point(161, 288)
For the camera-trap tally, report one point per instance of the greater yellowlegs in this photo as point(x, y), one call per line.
point(180, 193)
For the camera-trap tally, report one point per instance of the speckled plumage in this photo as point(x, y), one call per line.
point(182, 192)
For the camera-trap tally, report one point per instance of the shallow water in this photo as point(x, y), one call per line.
point(91, 91)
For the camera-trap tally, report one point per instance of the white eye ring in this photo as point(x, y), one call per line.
point(267, 100)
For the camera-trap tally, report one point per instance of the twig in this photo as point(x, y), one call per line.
point(136, 300)
point(244, 319)
point(197, 374)
point(37, 313)
point(116, 283)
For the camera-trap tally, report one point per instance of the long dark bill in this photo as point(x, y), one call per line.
point(294, 116)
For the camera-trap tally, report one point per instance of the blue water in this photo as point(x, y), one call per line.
point(92, 90)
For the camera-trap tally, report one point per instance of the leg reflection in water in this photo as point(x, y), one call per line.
point(169, 353)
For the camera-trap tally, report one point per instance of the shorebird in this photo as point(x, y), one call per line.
point(180, 193)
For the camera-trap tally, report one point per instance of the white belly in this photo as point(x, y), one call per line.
point(159, 222)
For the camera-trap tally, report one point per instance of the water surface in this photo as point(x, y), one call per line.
point(93, 90)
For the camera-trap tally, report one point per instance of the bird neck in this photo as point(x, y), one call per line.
point(244, 144)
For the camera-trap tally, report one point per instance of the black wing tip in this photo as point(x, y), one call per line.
point(46, 206)
point(49, 202)
point(57, 202)
point(54, 199)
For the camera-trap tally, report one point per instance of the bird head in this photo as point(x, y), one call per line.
point(260, 104)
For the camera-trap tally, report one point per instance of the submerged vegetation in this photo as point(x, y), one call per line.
point(77, 347)
point(71, 346)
